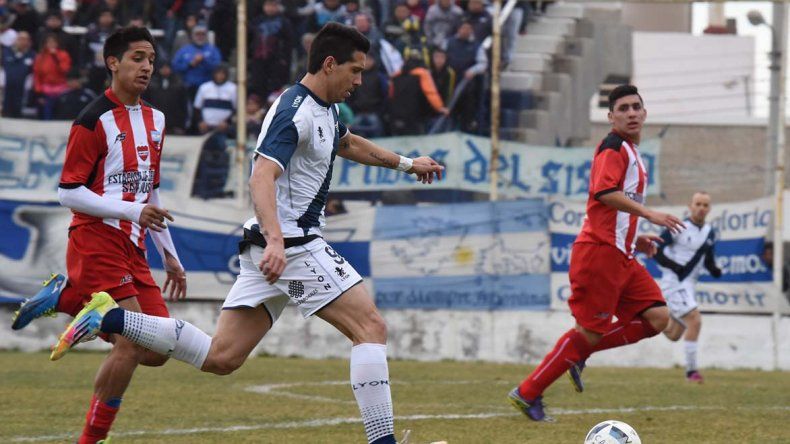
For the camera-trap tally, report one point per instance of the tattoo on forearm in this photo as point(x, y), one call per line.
point(344, 143)
point(384, 162)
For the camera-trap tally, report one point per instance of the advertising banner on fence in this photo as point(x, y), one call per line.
point(485, 256)
point(746, 281)
point(524, 171)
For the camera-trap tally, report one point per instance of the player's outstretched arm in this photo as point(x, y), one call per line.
point(262, 190)
point(361, 150)
point(82, 199)
point(619, 201)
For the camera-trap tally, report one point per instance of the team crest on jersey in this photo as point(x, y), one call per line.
point(321, 135)
point(142, 152)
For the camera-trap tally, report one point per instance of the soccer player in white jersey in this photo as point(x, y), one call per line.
point(682, 256)
point(283, 255)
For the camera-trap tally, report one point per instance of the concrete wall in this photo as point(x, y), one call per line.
point(727, 161)
point(727, 341)
point(658, 17)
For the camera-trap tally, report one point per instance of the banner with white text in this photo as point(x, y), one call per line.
point(524, 171)
point(746, 283)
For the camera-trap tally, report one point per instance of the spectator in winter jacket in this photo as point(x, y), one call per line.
point(395, 30)
point(481, 20)
point(414, 98)
point(49, 75)
point(468, 58)
point(69, 104)
point(17, 62)
point(25, 18)
point(196, 61)
point(417, 8)
point(325, 12)
point(441, 21)
point(463, 51)
point(443, 75)
point(368, 101)
point(93, 51)
point(215, 102)
point(167, 93)
point(271, 46)
point(53, 24)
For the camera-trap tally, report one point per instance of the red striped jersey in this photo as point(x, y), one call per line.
point(617, 166)
point(114, 150)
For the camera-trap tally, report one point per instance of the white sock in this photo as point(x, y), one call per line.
point(371, 385)
point(691, 355)
point(167, 336)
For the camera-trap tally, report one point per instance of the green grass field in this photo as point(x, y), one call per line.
point(281, 400)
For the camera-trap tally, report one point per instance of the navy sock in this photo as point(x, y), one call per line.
point(114, 402)
point(113, 321)
point(389, 439)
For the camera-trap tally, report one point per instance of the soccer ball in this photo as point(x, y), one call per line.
point(612, 432)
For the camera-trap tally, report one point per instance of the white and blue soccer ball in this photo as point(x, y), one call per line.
point(612, 432)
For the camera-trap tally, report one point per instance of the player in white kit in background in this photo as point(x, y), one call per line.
point(283, 255)
point(682, 257)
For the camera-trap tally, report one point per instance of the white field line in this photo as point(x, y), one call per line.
point(271, 389)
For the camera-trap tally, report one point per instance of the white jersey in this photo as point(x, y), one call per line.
point(682, 255)
point(300, 133)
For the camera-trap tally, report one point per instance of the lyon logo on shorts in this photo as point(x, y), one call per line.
point(142, 152)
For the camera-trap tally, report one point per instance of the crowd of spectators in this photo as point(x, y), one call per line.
point(427, 62)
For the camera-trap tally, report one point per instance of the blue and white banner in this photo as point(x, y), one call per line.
point(524, 171)
point(746, 282)
point(489, 256)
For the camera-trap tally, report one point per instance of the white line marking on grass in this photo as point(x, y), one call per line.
point(356, 420)
point(274, 389)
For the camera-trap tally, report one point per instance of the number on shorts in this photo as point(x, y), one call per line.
point(336, 257)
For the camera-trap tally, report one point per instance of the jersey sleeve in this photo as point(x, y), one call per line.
point(82, 155)
point(158, 172)
point(281, 139)
point(342, 129)
point(608, 171)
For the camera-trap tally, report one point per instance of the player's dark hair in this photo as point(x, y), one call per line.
point(622, 91)
point(118, 42)
point(338, 41)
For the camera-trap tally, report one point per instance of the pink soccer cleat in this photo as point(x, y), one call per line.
point(694, 376)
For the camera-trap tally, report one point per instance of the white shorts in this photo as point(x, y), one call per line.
point(314, 276)
point(680, 298)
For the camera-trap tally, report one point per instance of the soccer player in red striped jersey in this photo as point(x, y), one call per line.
point(110, 181)
point(605, 278)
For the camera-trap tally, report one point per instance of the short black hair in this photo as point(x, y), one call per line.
point(622, 91)
point(118, 42)
point(338, 41)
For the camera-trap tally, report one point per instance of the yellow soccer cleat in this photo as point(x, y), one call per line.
point(85, 326)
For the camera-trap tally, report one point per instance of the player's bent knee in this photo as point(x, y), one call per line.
point(222, 363)
point(375, 328)
point(127, 351)
point(659, 322)
point(152, 359)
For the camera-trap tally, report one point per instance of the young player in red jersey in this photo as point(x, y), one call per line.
point(606, 281)
point(110, 181)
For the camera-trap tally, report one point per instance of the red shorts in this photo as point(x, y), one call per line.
point(604, 282)
point(101, 258)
